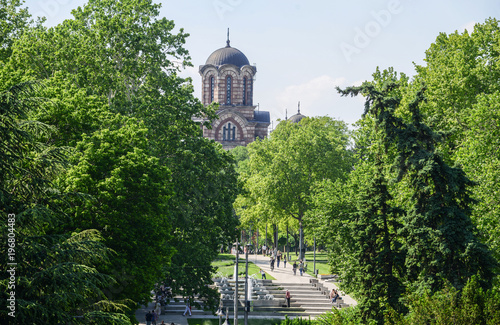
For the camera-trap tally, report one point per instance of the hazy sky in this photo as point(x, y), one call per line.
point(302, 50)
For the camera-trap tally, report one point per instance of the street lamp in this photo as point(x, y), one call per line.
point(236, 283)
point(247, 246)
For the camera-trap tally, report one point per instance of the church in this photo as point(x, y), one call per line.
point(227, 79)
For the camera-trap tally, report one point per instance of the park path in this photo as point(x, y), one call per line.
point(281, 274)
point(285, 275)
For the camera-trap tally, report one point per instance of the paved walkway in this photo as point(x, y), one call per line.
point(281, 274)
point(286, 275)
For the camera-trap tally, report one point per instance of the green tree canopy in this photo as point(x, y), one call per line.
point(285, 167)
point(111, 73)
point(462, 76)
point(434, 234)
point(55, 272)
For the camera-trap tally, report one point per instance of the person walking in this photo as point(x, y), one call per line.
point(188, 307)
point(272, 263)
point(263, 274)
point(284, 261)
point(154, 318)
point(301, 267)
point(149, 317)
point(294, 268)
point(288, 296)
point(158, 307)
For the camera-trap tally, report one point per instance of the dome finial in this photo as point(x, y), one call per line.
point(298, 108)
point(286, 114)
point(227, 42)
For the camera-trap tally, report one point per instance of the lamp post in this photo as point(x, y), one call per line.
point(247, 246)
point(256, 245)
point(236, 284)
point(314, 263)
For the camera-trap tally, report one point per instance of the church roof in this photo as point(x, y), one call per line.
point(261, 116)
point(228, 55)
point(296, 118)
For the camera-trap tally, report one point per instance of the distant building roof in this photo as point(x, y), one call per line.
point(262, 116)
point(296, 118)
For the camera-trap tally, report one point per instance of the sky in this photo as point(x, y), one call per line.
point(303, 50)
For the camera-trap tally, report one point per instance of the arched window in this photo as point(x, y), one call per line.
point(244, 90)
point(229, 132)
point(212, 89)
point(228, 90)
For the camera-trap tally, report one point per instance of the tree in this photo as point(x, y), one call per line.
point(286, 166)
point(129, 190)
point(461, 75)
point(206, 186)
point(436, 233)
point(54, 278)
point(13, 22)
point(111, 73)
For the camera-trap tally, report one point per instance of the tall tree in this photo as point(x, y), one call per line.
point(462, 74)
point(129, 190)
point(437, 234)
point(119, 57)
point(285, 167)
point(53, 276)
point(203, 218)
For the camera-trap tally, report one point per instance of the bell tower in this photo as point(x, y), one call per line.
point(227, 79)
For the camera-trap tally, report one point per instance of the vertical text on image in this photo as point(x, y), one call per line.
point(11, 257)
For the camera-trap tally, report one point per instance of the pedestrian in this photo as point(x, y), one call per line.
point(264, 248)
point(278, 258)
point(272, 263)
point(294, 267)
point(158, 307)
point(154, 318)
point(288, 296)
point(149, 317)
point(301, 267)
point(188, 307)
point(263, 274)
point(284, 261)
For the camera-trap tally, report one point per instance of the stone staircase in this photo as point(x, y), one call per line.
point(268, 299)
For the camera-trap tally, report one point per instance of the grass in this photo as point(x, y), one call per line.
point(225, 267)
point(215, 321)
point(321, 262)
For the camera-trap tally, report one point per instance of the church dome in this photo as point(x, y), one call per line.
point(228, 55)
point(296, 118)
